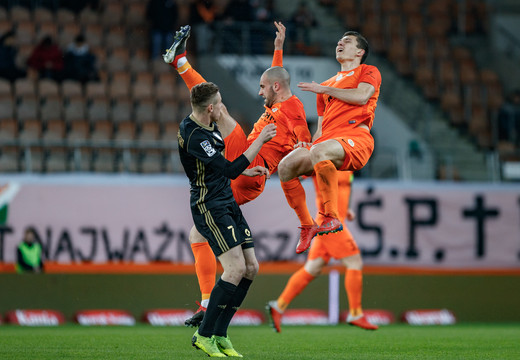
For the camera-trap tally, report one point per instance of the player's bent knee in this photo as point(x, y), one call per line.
point(251, 270)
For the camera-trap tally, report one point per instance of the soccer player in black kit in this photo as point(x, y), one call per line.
point(216, 214)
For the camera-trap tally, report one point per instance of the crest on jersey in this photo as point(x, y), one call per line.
point(274, 109)
point(210, 150)
point(339, 77)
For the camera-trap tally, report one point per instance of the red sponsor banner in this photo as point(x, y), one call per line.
point(35, 317)
point(429, 317)
point(167, 317)
point(104, 317)
point(248, 317)
point(305, 317)
point(374, 316)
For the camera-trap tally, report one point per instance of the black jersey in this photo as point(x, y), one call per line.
point(201, 151)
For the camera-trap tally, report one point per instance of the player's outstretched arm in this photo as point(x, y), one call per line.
point(356, 96)
point(280, 35)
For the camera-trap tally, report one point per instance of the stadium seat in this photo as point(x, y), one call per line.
point(30, 130)
point(19, 13)
point(78, 131)
point(139, 61)
point(135, 14)
point(27, 108)
point(149, 131)
point(64, 16)
point(9, 159)
point(71, 88)
point(5, 88)
point(55, 130)
point(26, 33)
point(121, 110)
point(98, 109)
point(112, 14)
point(102, 130)
point(32, 159)
point(7, 108)
point(170, 130)
point(8, 127)
point(142, 90)
point(105, 160)
point(51, 107)
point(68, 32)
point(48, 28)
point(74, 109)
point(94, 35)
point(115, 37)
point(47, 87)
point(96, 90)
point(145, 111)
point(151, 161)
point(88, 16)
point(24, 87)
point(168, 111)
point(125, 130)
point(118, 60)
point(56, 159)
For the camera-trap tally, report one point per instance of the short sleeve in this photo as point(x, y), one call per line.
point(371, 75)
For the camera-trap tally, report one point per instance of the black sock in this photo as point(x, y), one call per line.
point(234, 303)
point(220, 296)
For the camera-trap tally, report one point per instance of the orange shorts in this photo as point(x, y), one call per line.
point(358, 146)
point(336, 245)
point(245, 188)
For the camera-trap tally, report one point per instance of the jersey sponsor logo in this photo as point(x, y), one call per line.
point(350, 73)
point(206, 145)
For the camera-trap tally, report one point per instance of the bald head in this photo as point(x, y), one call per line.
point(278, 74)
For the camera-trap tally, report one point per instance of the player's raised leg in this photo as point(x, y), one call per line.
point(176, 57)
point(296, 163)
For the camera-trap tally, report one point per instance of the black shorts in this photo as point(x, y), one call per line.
point(224, 227)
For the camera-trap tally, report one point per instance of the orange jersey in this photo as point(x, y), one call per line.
point(291, 127)
point(339, 116)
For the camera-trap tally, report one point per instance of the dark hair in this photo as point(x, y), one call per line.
point(362, 43)
point(201, 95)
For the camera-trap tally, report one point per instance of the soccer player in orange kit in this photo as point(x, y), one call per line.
point(281, 107)
point(346, 106)
point(339, 245)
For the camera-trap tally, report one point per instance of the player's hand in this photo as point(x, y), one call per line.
point(312, 87)
point(280, 35)
point(257, 171)
point(268, 132)
point(303, 144)
point(351, 215)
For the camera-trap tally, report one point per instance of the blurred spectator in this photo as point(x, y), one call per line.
point(8, 52)
point(80, 63)
point(202, 17)
point(77, 5)
point(234, 16)
point(302, 22)
point(163, 17)
point(29, 254)
point(262, 26)
point(47, 59)
point(509, 119)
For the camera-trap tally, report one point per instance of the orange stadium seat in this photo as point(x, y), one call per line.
point(51, 107)
point(125, 130)
point(122, 110)
point(19, 13)
point(55, 130)
point(9, 159)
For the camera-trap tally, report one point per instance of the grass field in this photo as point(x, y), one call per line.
point(464, 341)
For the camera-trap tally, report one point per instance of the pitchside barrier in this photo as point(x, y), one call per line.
point(444, 240)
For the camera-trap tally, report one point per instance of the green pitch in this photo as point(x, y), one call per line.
point(465, 341)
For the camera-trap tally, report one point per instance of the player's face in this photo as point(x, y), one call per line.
point(267, 92)
point(217, 108)
point(347, 49)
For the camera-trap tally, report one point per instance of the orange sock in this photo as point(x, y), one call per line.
point(354, 288)
point(295, 195)
point(205, 267)
point(298, 281)
point(190, 76)
point(327, 178)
